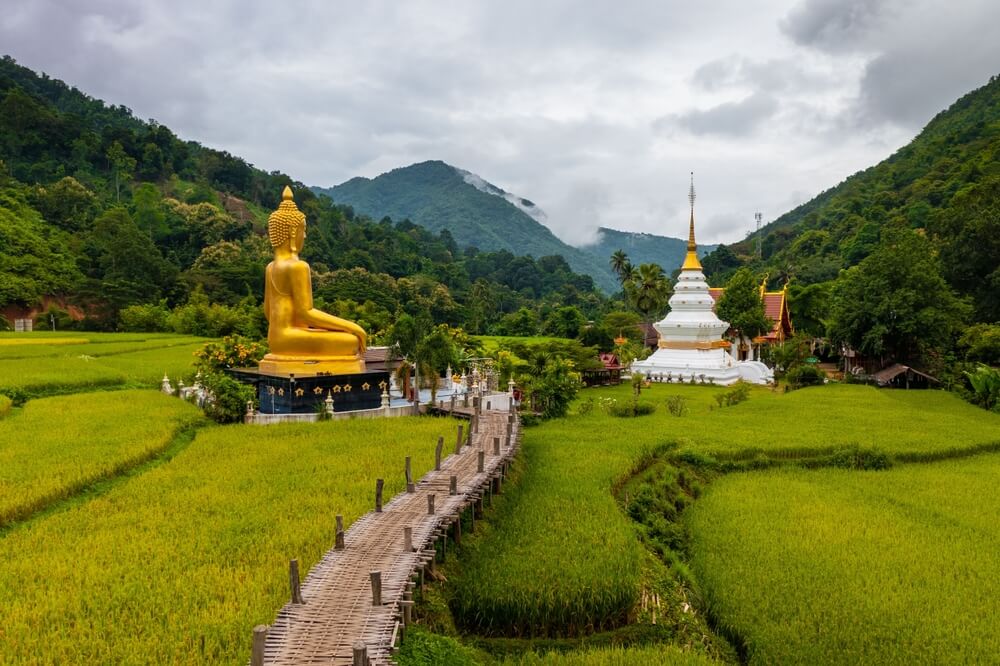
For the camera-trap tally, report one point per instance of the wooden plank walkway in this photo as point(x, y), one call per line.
point(350, 615)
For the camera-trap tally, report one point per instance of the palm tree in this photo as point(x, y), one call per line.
point(649, 290)
point(620, 264)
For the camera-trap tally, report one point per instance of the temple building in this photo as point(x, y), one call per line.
point(775, 309)
point(691, 345)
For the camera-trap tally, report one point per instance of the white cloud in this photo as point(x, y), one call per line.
point(562, 103)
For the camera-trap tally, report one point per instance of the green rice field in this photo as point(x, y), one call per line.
point(838, 567)
point(560, 550)
point(32, 367)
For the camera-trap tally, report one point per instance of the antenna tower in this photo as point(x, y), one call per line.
point(758, 217)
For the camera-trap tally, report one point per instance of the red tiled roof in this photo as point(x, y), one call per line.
point(772, 305)
point(609, 360)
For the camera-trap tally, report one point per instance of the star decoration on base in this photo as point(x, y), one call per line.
point(299, 392)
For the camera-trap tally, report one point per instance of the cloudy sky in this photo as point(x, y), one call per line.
point(596, 111)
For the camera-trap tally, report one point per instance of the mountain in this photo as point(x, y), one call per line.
point(945, 182)
point(117, 219)
point(643, 248)
point(439, 196)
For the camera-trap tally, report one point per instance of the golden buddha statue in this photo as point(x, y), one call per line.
point(303, 340)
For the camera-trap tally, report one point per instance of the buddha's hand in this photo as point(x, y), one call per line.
point(362, 338)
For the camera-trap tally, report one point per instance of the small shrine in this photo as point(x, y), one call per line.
point(691, 346)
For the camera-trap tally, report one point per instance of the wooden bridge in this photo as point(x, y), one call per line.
point(356, 602)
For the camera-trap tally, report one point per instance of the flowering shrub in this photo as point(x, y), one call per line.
point(233, 351)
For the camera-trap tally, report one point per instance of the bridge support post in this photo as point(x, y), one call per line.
point(378, 495)
point(376, 578)
point(339, 543)
point(360, 654)
point(259, 641)
point(293, 581)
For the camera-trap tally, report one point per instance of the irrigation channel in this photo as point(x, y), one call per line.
point(356, 602)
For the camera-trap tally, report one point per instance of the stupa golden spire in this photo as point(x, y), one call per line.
point(691, 262)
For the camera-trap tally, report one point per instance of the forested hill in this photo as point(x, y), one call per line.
point(643, 248)
point(439, 196)
point(945, 182)
point(101, 211)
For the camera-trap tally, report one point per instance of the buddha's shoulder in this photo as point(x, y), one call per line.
point(288, 266)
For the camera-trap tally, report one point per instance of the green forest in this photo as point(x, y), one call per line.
point(901, 261)
point(121, 224)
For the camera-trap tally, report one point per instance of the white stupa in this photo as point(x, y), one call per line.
point(691, 335)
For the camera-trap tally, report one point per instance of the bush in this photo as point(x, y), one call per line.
point(677, 405)
point(585, 407)
point(148, 318)
point(5, 405)
point(630, 409)
point(233, 351)
point(736, 394)
point(229, 398)
point(805, 375)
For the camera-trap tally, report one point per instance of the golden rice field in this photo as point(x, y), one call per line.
point(838, 567)
point(176, 565)
point(53, 447)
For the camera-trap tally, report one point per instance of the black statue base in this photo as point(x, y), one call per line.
point(282, 394)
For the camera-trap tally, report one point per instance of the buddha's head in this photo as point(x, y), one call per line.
point(287, 225)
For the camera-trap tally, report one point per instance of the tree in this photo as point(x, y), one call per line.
point(648, 290)
point(810, 307)
point(969, 233)
point(720, 264)
point(434, 353)
point(621, 265)
point(524, 322)
point(564, 322)
point(895, 304)
point(741, 305)
point(122, 167)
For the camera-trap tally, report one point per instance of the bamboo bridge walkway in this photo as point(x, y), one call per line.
point(355, 604)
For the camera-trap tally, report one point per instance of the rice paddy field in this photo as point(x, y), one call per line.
point(839, 567)
point(177, 565)
point(38, 364)
point(560, 547)
point(173, 545)
point(53, 447)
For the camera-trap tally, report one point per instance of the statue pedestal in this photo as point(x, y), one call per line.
point(305, 394)
point(275, 364)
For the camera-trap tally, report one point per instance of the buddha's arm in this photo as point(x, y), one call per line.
point(302, 288)
point(267, 294)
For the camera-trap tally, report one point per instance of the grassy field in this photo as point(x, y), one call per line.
point(492, 343)
point(54, 447)
point(178, 564)
point(845, 567)
point(667, 654)
point(561, 556)
point(107, 360)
